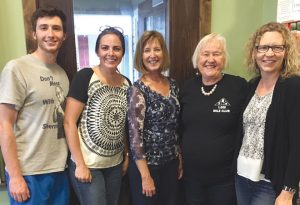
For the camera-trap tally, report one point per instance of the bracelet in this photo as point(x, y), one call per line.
point(289, 189)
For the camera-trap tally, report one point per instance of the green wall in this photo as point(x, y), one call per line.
point(236, 20)
point(12, 35)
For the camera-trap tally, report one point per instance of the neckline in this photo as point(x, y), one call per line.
point(212, 88)
point(265, 95)
point(101, 78)
point(217, 82)
point(207, 86)
point(154, 91)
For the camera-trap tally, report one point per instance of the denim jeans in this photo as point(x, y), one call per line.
point(104, 188)
point(254, 193)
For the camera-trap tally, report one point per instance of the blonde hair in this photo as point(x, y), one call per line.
point(291, 66)
point(204, 41)
point(150, 36)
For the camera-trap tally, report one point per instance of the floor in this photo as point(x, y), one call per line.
point(3, 195)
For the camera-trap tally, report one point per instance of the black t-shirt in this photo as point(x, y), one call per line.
point(209, 124)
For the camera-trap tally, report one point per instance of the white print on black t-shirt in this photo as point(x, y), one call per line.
point(222, 106)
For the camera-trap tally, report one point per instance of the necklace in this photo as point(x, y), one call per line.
point(210, 92)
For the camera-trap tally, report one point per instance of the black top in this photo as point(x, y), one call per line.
point(209, 125)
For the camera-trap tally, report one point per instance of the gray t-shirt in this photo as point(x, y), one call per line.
point(37, 90)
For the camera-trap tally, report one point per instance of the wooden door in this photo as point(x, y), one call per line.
point(189, 21)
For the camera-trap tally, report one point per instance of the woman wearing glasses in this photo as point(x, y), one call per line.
point(268, 159)
point(94, 124)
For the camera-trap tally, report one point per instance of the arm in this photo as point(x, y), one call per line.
point(147, 181)
point(136, 117)
point(179, 153)
point(126, 150)
point(180, 165)
point(73, 111)
point(284, 198)
point(18, 188)
point(291, 178)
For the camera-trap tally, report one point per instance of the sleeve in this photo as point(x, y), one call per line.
point(136, 117)
point(174, 88)
point(182, 104)
point(80, 83)
point(243, 87)
point(175, 91)
point(292, 173)
point(13, 85)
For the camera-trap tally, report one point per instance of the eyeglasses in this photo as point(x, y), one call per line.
point(265, 48)
point(111, 28)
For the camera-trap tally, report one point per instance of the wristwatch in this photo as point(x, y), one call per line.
point(289, 189)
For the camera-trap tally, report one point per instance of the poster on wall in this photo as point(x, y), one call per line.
point(288, 13)
point(288, 10)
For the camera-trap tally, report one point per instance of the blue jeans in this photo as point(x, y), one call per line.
point(104, 188)
point(198, 192)
point(45, 189)
point(254, 193)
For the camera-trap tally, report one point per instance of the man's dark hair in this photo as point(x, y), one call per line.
point(48, 12)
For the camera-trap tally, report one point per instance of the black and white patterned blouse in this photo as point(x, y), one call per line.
point(153, 123)
point(251, 154)
point(101, 127)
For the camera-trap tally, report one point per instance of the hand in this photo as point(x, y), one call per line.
point(18, 189)
point(83, 174)
point(180, 170)
point(148, 186)
point(284, 198)
point(125, 165)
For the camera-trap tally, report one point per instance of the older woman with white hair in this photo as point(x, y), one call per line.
point(211, 104)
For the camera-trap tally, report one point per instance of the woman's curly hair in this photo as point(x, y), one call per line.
point(291, 63)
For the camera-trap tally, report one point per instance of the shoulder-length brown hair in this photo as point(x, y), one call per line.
point(290, 65)
point(150, 36)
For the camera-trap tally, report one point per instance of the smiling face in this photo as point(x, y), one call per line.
point(49, 34)
point(110, 51)
point(152, 56)
point(270, 62)
point(211, 61)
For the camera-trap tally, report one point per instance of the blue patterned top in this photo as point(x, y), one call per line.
point(153, 123)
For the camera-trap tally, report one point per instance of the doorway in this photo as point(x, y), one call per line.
point(131, 16)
